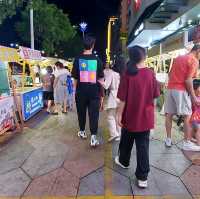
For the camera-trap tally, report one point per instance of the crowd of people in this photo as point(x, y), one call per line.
point(58, 89)
point(183, 98)
point(130, 105)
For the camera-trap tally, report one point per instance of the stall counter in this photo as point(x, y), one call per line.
point(31, 101)
point(6, 114)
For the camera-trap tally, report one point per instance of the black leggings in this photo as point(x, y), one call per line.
point(84, 102)
point(142, 148)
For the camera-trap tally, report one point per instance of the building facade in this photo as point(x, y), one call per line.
point(150, 22)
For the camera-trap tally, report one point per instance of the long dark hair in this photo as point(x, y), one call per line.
point(119, 65)
point(136, 55)
point(59, 65)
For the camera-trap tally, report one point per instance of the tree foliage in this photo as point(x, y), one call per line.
point(51, 26)
point(8, 8)
point(71, 48)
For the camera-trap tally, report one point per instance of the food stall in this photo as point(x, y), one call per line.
point(50, 61)
point(29, 91)
point(23, 67)
point(7, 106)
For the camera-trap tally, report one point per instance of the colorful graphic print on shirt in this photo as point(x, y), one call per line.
point(88, 71)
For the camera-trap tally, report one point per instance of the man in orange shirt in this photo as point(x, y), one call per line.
point(180, 95)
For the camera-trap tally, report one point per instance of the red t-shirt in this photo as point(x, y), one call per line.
point(138, 92)
point(183, 67)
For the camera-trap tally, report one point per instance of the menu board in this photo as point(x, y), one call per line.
point(27, 53)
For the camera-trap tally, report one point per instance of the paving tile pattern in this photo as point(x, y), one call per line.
point(161, 183)
point(14, 183)
point(14, 155)
point(57, 183)
point(93, 184)
point(194, 157)
point(121, 185)
point(49, 160)
point(49, 156)
point(191, 179)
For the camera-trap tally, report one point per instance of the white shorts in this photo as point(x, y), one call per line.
point(178, 102)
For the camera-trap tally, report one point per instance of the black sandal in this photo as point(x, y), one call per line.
point(65, 112)
point(54, 113)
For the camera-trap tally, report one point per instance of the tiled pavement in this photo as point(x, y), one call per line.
point(49, 160)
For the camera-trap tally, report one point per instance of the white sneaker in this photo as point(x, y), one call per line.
point(194, 140)
point(190, 146)
point(82, 134)
point(117, 139)
point(119, 164)
point(168, 142)
point(142, 184)
point(94, 142)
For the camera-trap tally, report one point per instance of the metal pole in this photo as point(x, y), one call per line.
point(109, 37)
point(32, 28)
point(160, 58)
point(109, 42)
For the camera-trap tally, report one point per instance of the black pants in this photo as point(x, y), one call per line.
point(142, 149)
point(92, 104)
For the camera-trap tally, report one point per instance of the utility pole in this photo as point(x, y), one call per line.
point(108, 50)
point(32, 26)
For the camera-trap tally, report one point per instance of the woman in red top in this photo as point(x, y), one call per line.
point(137, 91)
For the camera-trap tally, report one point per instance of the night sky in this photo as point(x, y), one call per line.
point(95, 12)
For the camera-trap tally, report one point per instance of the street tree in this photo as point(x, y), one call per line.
point(51, 26)
point(8, 8)
point(71, 48)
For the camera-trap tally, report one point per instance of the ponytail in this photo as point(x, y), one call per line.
point(136, 55)
point(132, 68)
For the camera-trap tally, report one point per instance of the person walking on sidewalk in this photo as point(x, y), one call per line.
point(60, 91)
point(87, 70)
point(181, 95)
point(107, 69)
point(111, 82)
point(47, 84)
point(137, 91)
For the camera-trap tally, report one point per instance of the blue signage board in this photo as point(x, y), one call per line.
point(32, 102)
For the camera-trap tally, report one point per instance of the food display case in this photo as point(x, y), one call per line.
point(7, 105)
